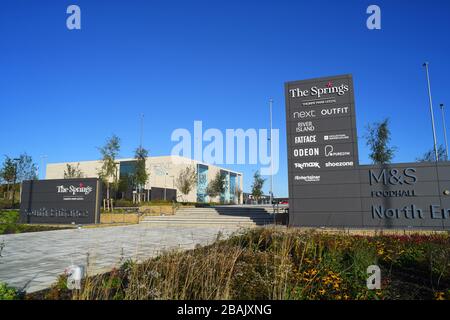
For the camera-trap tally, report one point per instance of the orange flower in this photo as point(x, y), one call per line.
point(439, 295)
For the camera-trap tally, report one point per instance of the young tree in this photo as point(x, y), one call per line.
point(216, 186)
point(73, 171)
point(430, 156)
point(22, 168)
point(186, 180)
point(258, 183)
point(26, 168)
point(140, 175)
point(378, 137)
point(211, 192)
point(108, 171)
point(7, 174)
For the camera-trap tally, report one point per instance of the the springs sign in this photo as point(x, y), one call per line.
point(328, 187)
point(64, 201)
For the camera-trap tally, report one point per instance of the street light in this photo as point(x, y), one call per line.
point(445, 131)
point(431, 111)
point(271, 152)
point(142, 130)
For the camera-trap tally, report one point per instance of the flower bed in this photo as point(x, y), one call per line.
point(281, 263)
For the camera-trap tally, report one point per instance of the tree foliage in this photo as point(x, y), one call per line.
point(7, 174)
point(186, 180)
point(73, 171)
point(26, 168)
point(8, 170)
point(15, 171)
point(109, 152)
point(258, 183)
point(140, 174)
point(216, 186)
point(430, 156)
point(378, 137)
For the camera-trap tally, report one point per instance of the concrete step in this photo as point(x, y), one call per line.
point(214, 216)
point(224, 216)
point(203, 224)
point(219, 210)
point(200, 218)
point(207, 220)
point(215, 223)
point(225, 208)
point(223, 211)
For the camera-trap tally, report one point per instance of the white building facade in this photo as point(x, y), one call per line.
point(163, 173)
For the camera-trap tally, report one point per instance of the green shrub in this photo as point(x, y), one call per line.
point(8, 293)
point(9, 223)
point(9, 216)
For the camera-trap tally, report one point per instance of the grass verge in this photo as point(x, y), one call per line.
point(9, 223)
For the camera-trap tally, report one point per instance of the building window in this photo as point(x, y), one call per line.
point(127, 168)
point(225, 196)
point(233, 186)
point(202, 182)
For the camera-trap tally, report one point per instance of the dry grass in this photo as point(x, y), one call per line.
point(280, 263)
point(128, 218)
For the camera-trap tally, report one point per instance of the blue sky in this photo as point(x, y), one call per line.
point(63, 92)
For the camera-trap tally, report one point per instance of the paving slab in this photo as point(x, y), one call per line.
point(33, 261)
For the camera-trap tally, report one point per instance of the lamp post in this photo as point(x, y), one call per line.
point(142, 130)
point(271, 151)
point(431, 111)
point(445, 130)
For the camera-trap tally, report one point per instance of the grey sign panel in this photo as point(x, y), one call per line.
point(323, 191)
point(329, 204)
point(410, 195)
point(319, 219)
point(62, 201)
point(328, 187)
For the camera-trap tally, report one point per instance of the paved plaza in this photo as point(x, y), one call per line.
point(32, 261)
